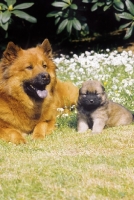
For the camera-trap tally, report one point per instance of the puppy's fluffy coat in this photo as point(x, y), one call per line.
point(95, 110)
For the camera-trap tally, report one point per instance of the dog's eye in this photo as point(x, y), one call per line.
point(44, 66)
point(29, 67)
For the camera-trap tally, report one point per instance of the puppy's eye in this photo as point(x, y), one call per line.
point(30, 67)
point(83, 95)
point(98, 94)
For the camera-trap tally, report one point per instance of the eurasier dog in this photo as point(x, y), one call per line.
point(30, 93)
point(95, 111)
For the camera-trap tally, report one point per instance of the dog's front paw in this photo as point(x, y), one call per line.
point(38, 136)
point(14, 136)
point(18, 140)
point(39, 131)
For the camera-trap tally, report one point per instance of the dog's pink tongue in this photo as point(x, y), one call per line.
point(42, 93)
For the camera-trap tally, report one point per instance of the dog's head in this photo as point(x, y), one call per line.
point(91, 95)
point(30, 71)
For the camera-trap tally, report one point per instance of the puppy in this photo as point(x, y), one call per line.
point(95, 111)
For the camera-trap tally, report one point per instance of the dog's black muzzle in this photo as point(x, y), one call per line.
point(35, 87)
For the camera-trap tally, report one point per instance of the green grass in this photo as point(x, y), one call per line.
point(70, 166)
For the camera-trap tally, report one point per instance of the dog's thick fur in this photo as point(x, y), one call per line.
point(30, 93)
point(95, 111)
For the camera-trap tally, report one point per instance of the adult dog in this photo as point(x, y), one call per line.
point(95, 111)
point(30, 93)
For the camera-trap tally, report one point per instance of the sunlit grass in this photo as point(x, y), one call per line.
point(68, 165)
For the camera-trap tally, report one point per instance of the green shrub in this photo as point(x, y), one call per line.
point(120, 7)
point(70, 16)
point(9, 9)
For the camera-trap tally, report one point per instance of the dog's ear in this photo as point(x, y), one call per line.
point(10, 54)
point(46, 48)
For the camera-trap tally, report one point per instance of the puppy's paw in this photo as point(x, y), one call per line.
point(81, 132)
point(95, 132)
point(84, 131)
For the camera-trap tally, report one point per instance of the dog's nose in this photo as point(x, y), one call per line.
point(45, 76)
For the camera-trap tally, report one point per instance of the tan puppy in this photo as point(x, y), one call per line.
point(95, 111)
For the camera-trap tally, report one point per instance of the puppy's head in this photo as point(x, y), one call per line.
point(91, 95)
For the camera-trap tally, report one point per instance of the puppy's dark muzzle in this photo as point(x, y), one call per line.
point(89, 101)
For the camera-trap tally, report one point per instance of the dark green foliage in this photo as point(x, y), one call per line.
point(66, 19)
point(69, 15)
point(9, 9)
point(119, 8)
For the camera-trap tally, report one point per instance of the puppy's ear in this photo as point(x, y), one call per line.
point(103, 88)
point(79, 91)
point(46, 48)
point(10, 54)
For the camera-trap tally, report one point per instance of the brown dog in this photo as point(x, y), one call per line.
point(30, 92)
point(68, 95)
point(95, 111)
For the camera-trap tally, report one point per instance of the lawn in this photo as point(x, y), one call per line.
point(72, 166)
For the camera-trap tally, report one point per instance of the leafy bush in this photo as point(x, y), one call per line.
point(70, 15)
point(128, 16)
point(9, 9)
point(119, 6)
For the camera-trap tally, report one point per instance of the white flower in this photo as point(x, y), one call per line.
point(65, 115)
point(128, 92)
point(114, 87)
point(72, 60)
point(60, 110)
point(75, 56)
point(130, 53)
point(81, 70)
point(128, 68)
point(92, 52)
point(107, 50)
point(87, 53)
